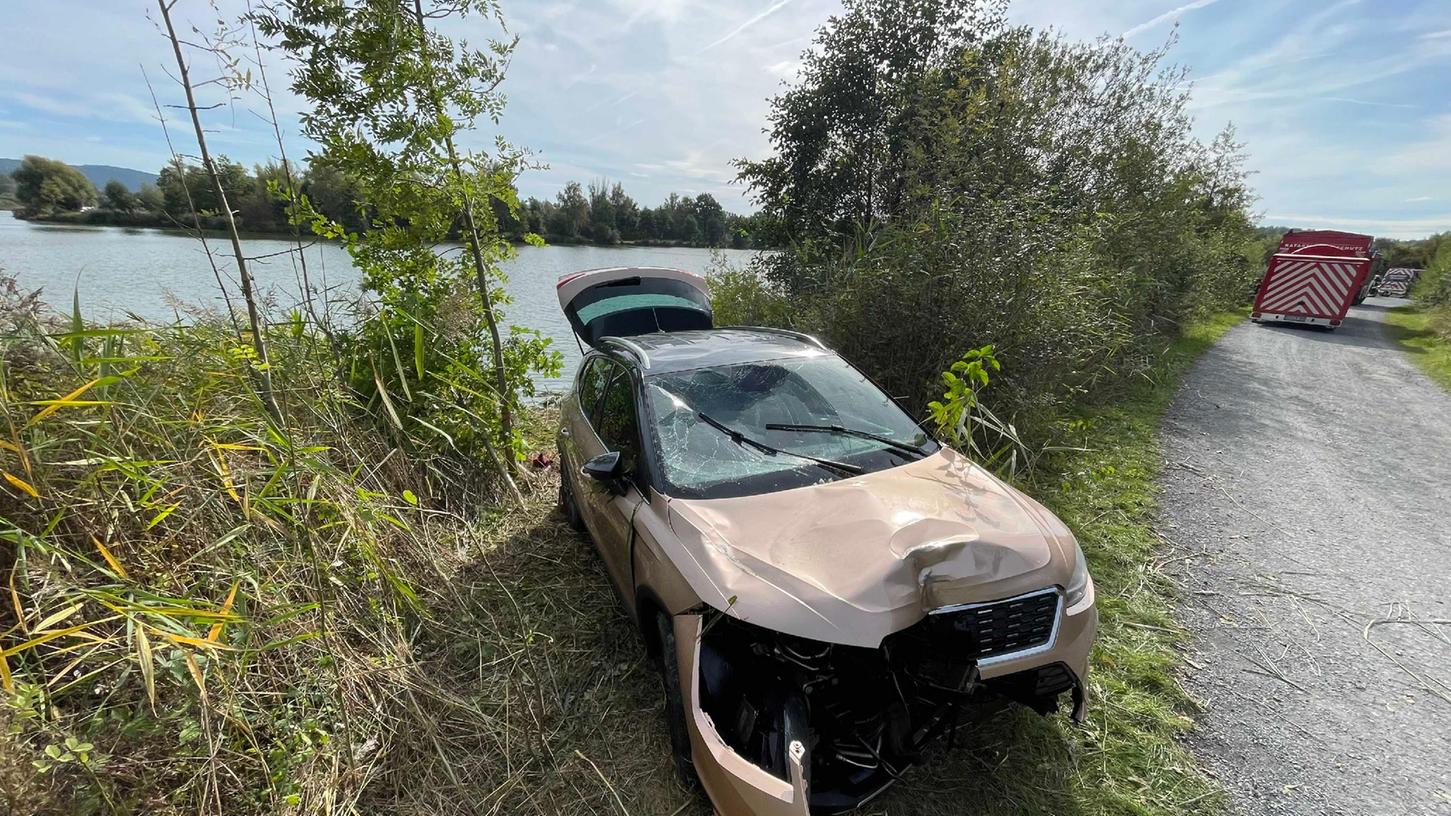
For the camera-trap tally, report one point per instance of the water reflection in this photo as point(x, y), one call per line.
point(121, 270)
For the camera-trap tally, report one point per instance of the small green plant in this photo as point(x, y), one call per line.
point(972, 427)
point(71, 751)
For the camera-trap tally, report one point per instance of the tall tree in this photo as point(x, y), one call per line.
point(117, 196)
point(149, 198)
point(839, 134)
point(572, 213)
point(45, 185)
point(388, 94)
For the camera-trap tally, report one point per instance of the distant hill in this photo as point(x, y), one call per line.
point(99, 174)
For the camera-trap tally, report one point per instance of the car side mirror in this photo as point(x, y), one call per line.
point(605, 468)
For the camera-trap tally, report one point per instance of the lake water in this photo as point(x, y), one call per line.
point(120, 271)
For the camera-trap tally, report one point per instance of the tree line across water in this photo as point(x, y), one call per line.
point(184, 196)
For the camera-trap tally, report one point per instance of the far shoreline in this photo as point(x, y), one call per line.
point(100, 218)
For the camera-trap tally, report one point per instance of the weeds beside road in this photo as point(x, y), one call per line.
point(414, 659)
point(1423, 333)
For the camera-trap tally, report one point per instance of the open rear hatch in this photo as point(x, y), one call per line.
point(634, 300)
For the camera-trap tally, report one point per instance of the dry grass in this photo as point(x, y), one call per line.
point(206, 613)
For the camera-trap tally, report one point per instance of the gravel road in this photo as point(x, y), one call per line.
point(1307, 499)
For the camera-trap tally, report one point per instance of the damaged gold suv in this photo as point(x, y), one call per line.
point(823, 584)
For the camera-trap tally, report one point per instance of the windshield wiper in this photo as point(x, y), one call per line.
point(842, 430)
point(746, 441)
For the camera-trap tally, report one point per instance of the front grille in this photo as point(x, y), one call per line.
point(1004, 627)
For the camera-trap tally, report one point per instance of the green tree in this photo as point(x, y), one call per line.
point(602, 227)
point(45, 186)
point(627, 213)
point(388, 94)
point(571, 216)
point(117, 196)
point(334, 195)
point(149, 198)
point(712, 218)
point(262, 203)
point(946, 181)
point(7, 188)
point(186, 187)
point(840, 135)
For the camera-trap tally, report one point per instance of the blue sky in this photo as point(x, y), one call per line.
point(1344, 107)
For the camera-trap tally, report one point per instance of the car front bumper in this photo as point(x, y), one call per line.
point(738, 787)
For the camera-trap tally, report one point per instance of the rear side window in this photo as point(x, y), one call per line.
point(618, 427)
point(592, 379)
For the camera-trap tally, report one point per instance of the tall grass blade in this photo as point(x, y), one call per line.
point(196, 674)
point(110, 559)
point(387, 400)
point(216, 631)
point(57, 617)
point(78, 326)
point(21, 485)
point(67, 401)
point(148, 668)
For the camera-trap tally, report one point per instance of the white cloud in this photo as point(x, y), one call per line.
point(1381, 227)
point(785, 69)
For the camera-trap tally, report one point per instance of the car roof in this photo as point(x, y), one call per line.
point(666, 352)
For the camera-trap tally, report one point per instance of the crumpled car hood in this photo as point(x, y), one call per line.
point(854, 560)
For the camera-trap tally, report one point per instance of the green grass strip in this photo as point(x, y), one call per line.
point(1422, 334)
point(1127, 758)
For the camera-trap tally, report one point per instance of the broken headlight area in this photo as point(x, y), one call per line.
point(864, 715)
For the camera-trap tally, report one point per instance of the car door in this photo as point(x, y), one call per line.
point(609, 513)
point(577, 439)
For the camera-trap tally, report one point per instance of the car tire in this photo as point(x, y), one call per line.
point(567, 505)
point(674, 700)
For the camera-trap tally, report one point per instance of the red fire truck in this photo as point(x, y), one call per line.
point(1313, 278)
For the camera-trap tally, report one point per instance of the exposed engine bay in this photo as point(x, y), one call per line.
point(865, 715)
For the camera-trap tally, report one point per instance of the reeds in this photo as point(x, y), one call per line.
point(237, 619)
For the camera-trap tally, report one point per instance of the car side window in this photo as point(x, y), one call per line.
point(618, 427)
point(592, 380)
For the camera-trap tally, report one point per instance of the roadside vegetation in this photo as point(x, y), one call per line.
point(1424, 328)
point(996, 186)
point(308, 562)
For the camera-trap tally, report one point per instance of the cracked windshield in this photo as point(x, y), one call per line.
point(765, 414)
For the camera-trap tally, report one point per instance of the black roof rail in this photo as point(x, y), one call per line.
point(805, 338)
point(630, 347)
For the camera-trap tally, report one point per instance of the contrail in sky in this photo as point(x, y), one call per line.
point(1172, 14)
point(774, 7)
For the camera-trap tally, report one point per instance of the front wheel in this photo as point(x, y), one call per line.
point(674, 700)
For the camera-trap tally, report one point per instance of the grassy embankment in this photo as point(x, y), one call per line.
point(1425, 334)
point(229, 619)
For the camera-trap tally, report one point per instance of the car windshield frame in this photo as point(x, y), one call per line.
point(793, 472)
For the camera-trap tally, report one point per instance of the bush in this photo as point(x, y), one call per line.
point(995, 186)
